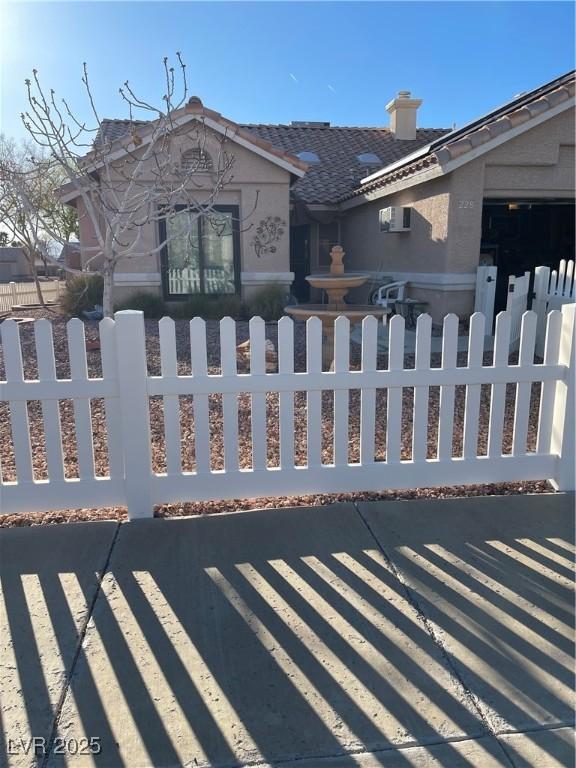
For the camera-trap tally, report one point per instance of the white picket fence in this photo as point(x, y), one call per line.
point(126, 389)
point(13, 294)
point(552, 289)
point(187, 280)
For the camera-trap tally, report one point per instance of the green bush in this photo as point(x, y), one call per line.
point(82, 292)
point(149, 303)
point(268, 302)
point(208, 307)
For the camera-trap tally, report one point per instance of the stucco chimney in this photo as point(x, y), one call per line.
point(402, 110)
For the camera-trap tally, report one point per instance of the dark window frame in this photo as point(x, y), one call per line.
point(235, 211)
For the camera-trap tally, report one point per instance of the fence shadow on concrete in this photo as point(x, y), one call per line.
point(495, 580)
point(287, 633)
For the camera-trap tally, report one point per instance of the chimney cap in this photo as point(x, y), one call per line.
point(403, 112)
point(403, 100)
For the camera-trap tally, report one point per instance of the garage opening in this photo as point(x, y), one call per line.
point(519, 235)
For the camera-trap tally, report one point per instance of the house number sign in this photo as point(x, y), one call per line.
point(465, 203)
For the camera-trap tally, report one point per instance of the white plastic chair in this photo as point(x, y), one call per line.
point(386, 295)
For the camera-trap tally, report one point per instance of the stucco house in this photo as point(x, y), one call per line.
point(14, 266)
point(498, 191)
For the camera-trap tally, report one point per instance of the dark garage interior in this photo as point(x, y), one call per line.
point(519, 235)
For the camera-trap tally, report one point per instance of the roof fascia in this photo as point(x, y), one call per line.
point(397, 164)
point(411, 181)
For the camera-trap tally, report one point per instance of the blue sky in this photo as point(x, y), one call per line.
point(277, 62)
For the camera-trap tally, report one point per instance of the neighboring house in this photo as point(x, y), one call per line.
point(497, 191)
point(14, 265)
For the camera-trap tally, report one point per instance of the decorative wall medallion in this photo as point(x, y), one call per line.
point(268, 232)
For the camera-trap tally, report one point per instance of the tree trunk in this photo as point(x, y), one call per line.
point(38, 286)
point(107, 297)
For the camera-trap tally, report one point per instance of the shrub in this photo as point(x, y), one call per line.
point(82, 292)
point(268, 302)
point(209, 307)
point(149, 303)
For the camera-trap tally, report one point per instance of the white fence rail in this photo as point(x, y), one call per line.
point(12, 294)
point(126, 393)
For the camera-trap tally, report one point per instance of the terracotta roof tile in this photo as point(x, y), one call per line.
point(338, 170)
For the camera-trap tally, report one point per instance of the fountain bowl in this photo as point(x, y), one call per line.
point(328, 281)
point(354, 312)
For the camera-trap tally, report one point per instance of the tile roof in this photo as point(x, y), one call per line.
point(463, 140)
point(111, 131)
point(338, 170)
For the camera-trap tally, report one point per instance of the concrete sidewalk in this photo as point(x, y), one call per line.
point(411, 633)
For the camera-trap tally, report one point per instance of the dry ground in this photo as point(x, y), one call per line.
point(157, 428)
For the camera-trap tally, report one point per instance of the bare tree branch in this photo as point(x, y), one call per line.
point(123, 187)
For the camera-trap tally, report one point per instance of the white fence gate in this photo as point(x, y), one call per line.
point(12, 294)
point(295, 445)
point(486, 294)
point(552, 289)
point(516, 305)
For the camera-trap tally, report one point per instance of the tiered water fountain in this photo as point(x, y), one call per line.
point(336, 283)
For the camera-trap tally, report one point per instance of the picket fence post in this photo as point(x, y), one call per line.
point(134, 412)
point(562, 439)
point(539, 305)
point(13, 292)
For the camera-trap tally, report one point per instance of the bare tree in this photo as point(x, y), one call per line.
point(122, 187)
point(27, 183)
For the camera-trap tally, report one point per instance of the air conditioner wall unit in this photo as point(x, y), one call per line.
point(395, 219)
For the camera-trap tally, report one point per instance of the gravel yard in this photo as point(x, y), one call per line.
point(156, 423)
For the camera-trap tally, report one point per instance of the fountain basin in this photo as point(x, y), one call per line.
point(354, 312)
point(349, 280)
point(328, 313)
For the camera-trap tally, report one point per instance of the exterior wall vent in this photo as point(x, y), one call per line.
point(195, 160)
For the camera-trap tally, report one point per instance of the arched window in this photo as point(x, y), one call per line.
point(196, 160)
